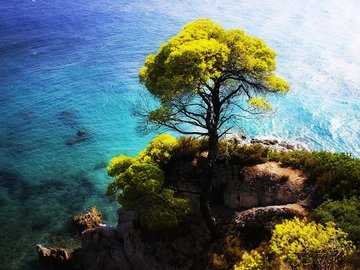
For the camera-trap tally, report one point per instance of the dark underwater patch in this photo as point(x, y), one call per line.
point(70, 118)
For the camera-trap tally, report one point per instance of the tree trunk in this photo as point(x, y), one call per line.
point(212, 121)
point(209, 174)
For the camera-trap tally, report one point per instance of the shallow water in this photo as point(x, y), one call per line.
point(70, 65)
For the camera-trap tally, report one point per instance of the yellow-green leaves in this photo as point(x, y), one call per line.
point(139, 185)
point(186, 61)
point(298, 242)
point(159, 150)
point(196, 61)
point(275, 84)
point(204, 51)
point(252, 260)
point(119, 165)
point(260, 104)
point(300, 245)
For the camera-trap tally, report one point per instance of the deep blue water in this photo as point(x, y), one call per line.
point(70, 65)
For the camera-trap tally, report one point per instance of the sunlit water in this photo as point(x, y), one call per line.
point(70, 65)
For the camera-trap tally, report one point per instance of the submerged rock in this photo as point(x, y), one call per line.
point(69, 118)
point(81, 135)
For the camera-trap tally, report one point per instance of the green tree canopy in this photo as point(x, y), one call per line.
point(205, 76)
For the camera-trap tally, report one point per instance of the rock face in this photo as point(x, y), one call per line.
point(89, 220)
point(103, 248)
point(264, 184)
point(126, 247)
point(277, 144)
point(253, 226)
point(267, 216)
point(54, 256)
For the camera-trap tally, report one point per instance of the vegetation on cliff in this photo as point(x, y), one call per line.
point(300, 244)
point(207, 78)
point(141, 184)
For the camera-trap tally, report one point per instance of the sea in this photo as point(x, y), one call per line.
point(68, 65)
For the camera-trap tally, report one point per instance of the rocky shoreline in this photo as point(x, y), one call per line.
point(276, 144)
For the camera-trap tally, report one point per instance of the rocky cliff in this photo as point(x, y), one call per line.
point(254, 198)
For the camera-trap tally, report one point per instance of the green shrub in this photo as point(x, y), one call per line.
point(336, 174)
point(139, 185)
point(188, 148)
point(346, 215)
point(252, 260)
point(159, 150)
point(243, 154)
point(299, 243)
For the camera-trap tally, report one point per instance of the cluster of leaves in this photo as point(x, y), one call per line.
point(252, 260)
point(139, 185)
point(188, 148)
point(203, 50)
point(298, 244)
point(346, 215)
point(337, 175)
point(243, 154)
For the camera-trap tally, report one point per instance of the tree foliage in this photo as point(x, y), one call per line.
point(205, 76)
point(139, 185)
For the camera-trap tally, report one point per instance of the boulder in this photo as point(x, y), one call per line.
point(262, 185)
point(255, 225)
point(103, 248)
point(89, 220)
point(53, 256)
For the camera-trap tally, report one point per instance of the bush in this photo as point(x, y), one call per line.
point(336, 174)
point(243, 154)
point(251, 261)
point(139, 185)
point(346, 215)
point(188, 148)
point(298, 243)
point(159, 150)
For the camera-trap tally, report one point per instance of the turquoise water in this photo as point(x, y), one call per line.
point(70, 65)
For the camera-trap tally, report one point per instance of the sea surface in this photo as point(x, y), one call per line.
point(67, 66)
